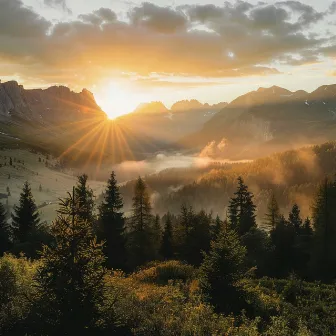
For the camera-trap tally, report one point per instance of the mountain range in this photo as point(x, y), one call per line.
point(268, 120)
point(254, 124)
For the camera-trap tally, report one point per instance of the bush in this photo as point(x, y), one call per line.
point(16, 290)
point(165, 272)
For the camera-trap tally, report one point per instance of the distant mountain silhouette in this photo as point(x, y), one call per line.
point(270, 119)
point(167, 126)
point(53, 105)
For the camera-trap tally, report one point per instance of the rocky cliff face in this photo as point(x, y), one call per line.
point(56, 104)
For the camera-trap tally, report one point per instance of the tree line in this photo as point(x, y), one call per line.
point(81, 249)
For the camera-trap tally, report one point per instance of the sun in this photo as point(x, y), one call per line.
point(117, 99)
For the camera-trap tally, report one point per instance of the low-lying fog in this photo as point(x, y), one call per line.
point(128, 170)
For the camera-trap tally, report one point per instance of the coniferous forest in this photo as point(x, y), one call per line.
point(96, 271)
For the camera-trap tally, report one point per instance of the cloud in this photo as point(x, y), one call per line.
point(158, 19)
point(213, 42)
point(58, 3)
point(102, 15)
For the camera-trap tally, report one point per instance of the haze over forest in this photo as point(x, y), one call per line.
point(167, 168)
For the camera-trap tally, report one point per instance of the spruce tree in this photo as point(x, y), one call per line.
point(139, 242)
point(157, 236)
point(25, 219)
point(70, 276)
point(199, 237)
point(183, 228)
point(111, 225)
point(167, 249)
point(242, 210)
point(324, 239)
point(4, 231)
point(85, 197)
point(295, 219)
point(217, 227)
point(222, 267)
point(273, 212)
point(283, 238)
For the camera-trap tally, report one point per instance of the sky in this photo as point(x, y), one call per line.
point(128, 52)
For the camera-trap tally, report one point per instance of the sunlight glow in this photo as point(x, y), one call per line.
point(117, 99)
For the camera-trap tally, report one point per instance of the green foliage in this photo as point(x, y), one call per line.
point(25, 218)
point(157, 236)
point(139, 239)
point(167, 243)
point(163, 273)
point(283, 239)
point(5, 234)
point(223, 266)
point(324, 221)
point(85, 197)
point(17, 289)
point(294, 218)
point(70, 277)
point(242, 210)
point(273, 212)
point(27, 232)
point(111, 226)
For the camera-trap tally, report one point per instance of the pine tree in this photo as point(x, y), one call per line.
point(242, 210)
point(217, 227)
point(283, 238)
point(183, 228)
point(111, 225)
point(307, 227)
point(70, 277)
point(156, 236)
point(222, 267)
point(140, 244)
point(324, 239)
point(167, 249)
point(295, 219)
point(4, 231)
point(273, 212)
point(26, 218)
point(84, 195)
point(199, 237)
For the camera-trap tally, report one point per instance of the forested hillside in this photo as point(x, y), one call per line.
point(293, 176)
point(98, 271)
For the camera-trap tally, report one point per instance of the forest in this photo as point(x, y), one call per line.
point(293, 176)
point(96, 271)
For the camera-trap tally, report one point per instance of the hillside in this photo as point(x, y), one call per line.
point(49, 181)
point(293, 176)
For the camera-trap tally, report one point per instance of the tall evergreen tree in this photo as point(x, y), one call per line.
point(199, 237)
point(85, 197)
point(167, 248)
point(183, 227)
point(222, 267)
point(157, 236)
point(25, 218)
point(70, 276)
point(242, 210)
point(140, 244)
point(283, 239)
point(111, 225)
point(4, 231)
point(217, 227)
point(295, 219)
point(273, 212)
point(324, 239)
